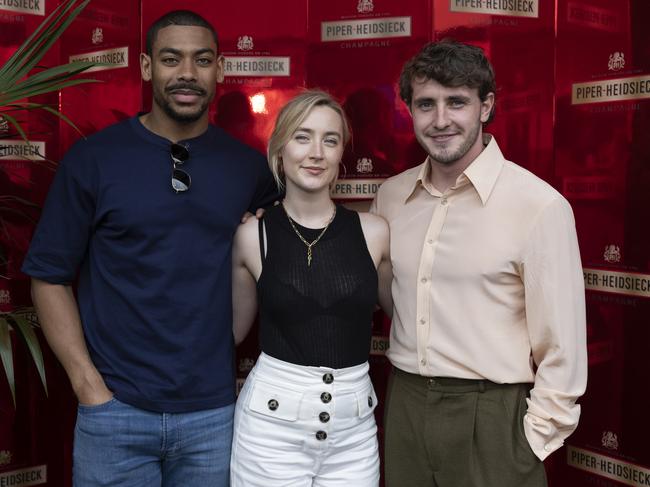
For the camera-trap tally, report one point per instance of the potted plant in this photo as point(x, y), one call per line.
point(21, 78)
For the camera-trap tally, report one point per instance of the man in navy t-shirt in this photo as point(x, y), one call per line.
point(144, 213)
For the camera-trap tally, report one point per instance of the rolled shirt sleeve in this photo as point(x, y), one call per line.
point(555, 316)
point(61, 237)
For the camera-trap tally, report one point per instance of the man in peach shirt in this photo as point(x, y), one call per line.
point(488, 328)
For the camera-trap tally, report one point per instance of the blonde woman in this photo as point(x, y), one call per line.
point(305, 414)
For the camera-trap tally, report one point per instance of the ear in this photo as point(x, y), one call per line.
point(145, 66)
point(486, 107)
point(220, 68)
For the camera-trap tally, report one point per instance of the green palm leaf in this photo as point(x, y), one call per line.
point(6, 356)
point(44, 88)
point(15, 82)
point(48, 75)
point(12, 121)
point(27, 331)
point(40, 106)
point(36, 46)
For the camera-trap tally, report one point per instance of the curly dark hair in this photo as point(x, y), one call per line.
point(450, 63)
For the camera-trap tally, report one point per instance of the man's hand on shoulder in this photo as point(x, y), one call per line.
point(258, 214)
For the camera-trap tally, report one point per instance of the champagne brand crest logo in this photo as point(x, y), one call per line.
point(364, 165)
point(4, 125)
point(5, 457)
point(616, 61)
point(245, 43)
point(365, 6)
point(612, 254)
point(5, 298)
point(98, 36)
point(609, 440)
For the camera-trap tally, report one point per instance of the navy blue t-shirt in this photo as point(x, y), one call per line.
point(154, 287)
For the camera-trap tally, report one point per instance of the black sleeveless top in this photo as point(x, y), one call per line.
point(318, 315)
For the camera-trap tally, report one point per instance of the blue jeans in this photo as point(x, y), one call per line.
point(119, 445)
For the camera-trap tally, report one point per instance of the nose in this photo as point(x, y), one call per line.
point(187, 71)
point(441, 118)
point(316, 150)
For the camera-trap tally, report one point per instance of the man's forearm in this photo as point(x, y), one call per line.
point(58, 315)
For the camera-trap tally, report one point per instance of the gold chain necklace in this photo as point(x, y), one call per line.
point(303, 240)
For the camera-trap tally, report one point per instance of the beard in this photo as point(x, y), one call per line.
point(181, 116)
point(448, 157)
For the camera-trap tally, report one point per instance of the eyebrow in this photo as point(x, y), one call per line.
point(177, 52)
point(429, 99)
point(422, 98)
point(462, 98)
point(331, 132)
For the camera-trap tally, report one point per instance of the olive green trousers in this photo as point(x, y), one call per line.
point(444, 432)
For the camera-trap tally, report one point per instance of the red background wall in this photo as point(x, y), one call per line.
point(594, 149)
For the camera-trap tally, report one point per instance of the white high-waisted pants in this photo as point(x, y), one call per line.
point(298, 426)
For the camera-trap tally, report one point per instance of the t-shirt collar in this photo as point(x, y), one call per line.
point(144, 132)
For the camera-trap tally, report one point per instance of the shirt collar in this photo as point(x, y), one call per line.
point(422, 180)
point(482, 173)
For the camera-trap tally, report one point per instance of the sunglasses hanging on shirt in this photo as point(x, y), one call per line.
point(181, 180)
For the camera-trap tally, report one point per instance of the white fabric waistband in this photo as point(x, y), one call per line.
point(302, 376)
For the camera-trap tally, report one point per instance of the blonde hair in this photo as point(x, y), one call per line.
point(292, 115)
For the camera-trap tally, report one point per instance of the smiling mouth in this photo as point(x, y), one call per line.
point(442, 138)
point(314, 170)
point(186, 95)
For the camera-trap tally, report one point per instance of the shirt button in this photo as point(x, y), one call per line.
point(273, 404)
point(443, 202)
point(423, 361)
point(324, 417)
point(422, 321)
point(430, 241)
point(326, 397)
point(547, 448)
point(321, 435)
point(328, 378)
point(423, 280)
point(370, 401)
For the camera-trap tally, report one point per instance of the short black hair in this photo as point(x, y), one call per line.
point(450, 63)
point(177, 17)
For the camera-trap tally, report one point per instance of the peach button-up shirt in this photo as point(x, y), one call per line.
point(488, 284)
